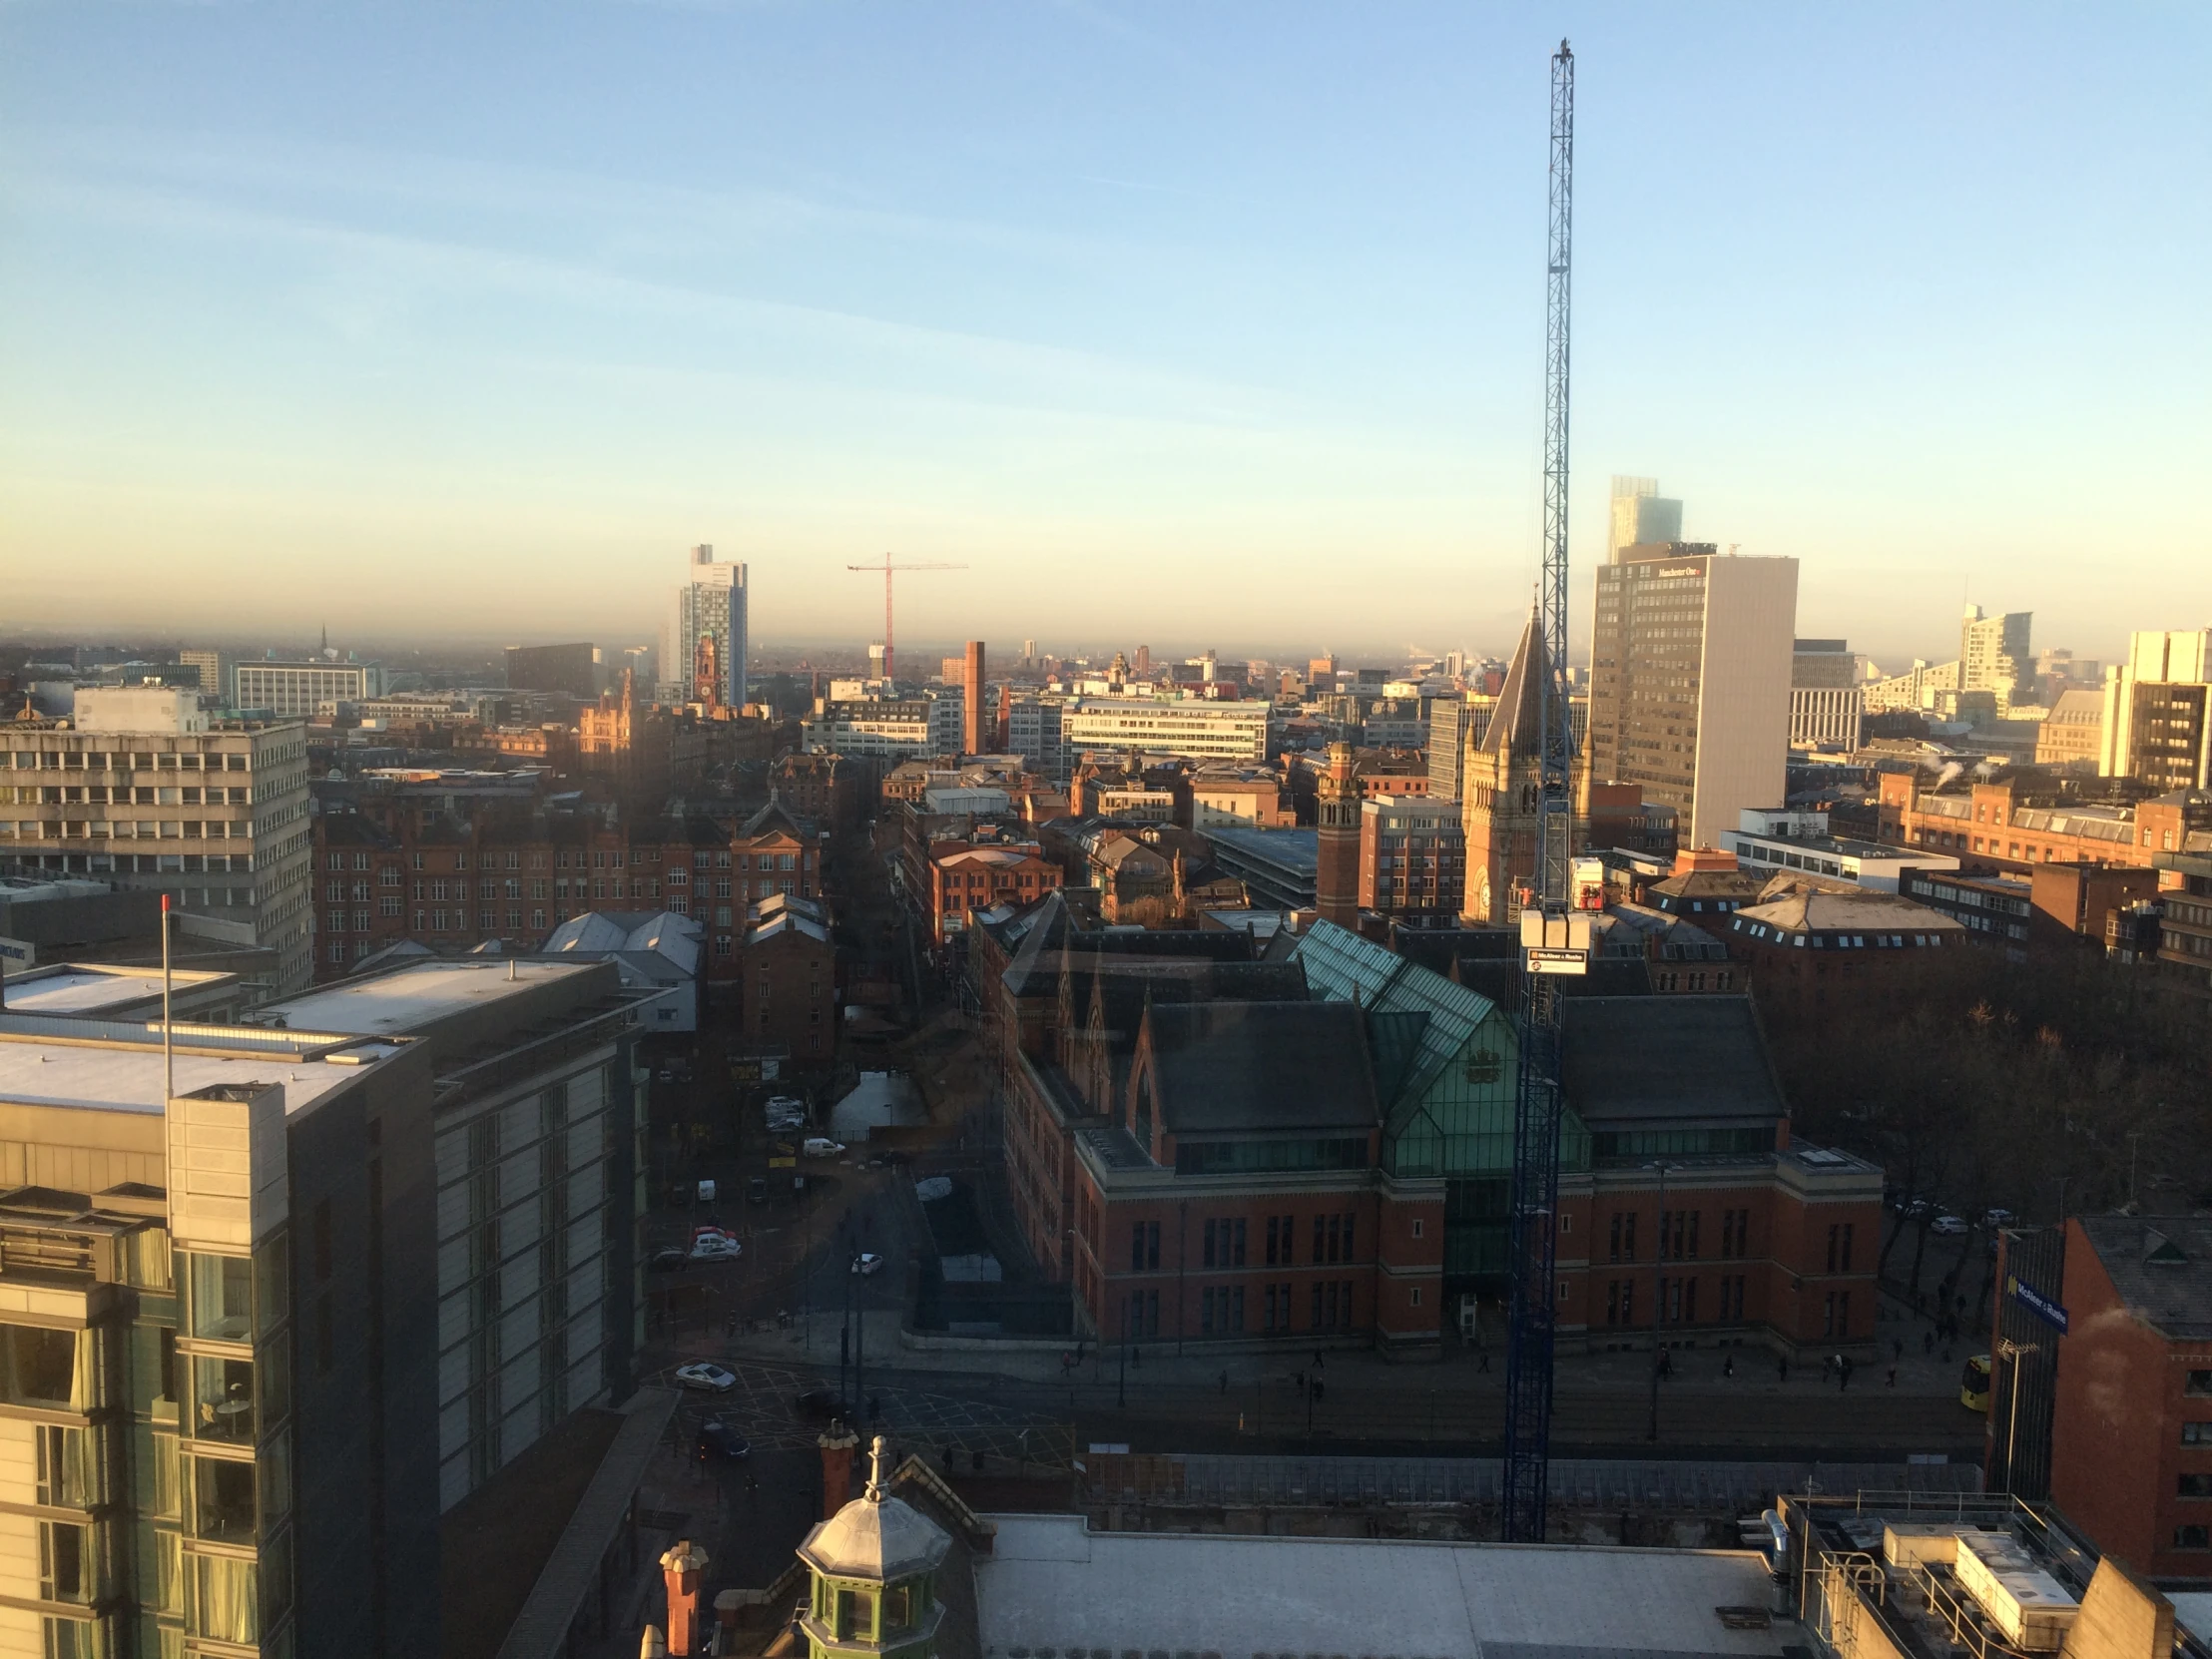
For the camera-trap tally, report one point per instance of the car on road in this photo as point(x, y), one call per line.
point(716, 1247)
point(708, 1379)
point(1995, 1216)
point(822, 1404)
point(1947, 1226)
point(718, 1440)
point(867, 1262)
point(666, 1260)
point(1920, 1209)
point(821, 1146)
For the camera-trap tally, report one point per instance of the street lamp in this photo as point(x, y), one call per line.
point(2012, 1353)
point(1658, 1296)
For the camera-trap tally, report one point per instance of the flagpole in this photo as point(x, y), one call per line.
point(169, 1057)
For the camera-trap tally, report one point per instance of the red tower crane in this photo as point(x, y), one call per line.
point(887, 568)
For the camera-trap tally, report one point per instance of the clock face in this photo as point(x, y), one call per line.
point(1481, 904)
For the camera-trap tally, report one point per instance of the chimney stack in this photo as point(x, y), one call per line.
point(683, 1568)
point(971, 707)
point(837, 1443)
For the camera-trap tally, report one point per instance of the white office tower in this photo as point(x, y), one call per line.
point(1641, 515)
point(708, 643)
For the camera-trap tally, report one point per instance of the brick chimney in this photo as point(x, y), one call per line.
point(837, 1443)
point(684, 1567)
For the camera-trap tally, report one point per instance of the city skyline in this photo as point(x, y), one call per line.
point(316, 329)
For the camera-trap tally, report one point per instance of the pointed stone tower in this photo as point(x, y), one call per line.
point(874, 1568)
point(1501, 785)
point(1336, 863)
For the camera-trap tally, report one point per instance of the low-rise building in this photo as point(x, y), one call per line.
point(2071, 737)
point(1279, 867)
point(1768, 840)
point(1811, 942)
point(787, 982)
point(965, 876)
point(1192, 728)
point(2016, 821)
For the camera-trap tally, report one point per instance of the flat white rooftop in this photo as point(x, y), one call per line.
point(85, 993)
point(411, 996)
point(1049, 1582)
point(129, 1079)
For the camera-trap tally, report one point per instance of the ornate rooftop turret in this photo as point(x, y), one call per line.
point(874, 1565)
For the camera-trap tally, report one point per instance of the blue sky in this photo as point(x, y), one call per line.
point(1184, 323)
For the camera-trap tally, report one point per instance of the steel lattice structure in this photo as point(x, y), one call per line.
point(1528, 1353)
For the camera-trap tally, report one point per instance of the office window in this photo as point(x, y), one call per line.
point(2193, 1485)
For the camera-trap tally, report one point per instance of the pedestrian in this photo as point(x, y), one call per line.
point(1828, 1368)
point(1224, 1381)
point(1892, 1377)
point(1728, 1365)
point(1927, 1343)
point(1897, 1349)
point(1482, 1359)
point(1782, 1368)
point(1844, 1364)
point(1317, 1359)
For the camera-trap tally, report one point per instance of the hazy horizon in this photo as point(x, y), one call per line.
point(436, 327)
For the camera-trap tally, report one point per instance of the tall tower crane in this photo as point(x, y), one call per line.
point(1555, 938)
point(887, 567)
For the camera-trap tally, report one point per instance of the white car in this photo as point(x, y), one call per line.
point(712, 1379)
point(867, 1262)
point(1947, 1226)
point(821, 1146)
point(716, 1247)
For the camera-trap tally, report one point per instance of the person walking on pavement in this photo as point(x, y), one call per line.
point(1482, 1359)
point(1224, 1381)
point(1892, 1377)
point(1828, 1368)
point(1842, 1369)
point(1728, 1365)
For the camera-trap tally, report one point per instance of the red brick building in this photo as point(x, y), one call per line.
point(821, 787)
point(2131, 1429)
point(964, 877)
point(1412, 860)
point(2017, 822)
point(384, 875)
point(786, 994)
point(1337, 869)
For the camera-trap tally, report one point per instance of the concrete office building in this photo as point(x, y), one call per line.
point(1033, 733)
point(213, 669)
point(572, 668)
point(1690, 675)
point(295, 691)
point(1187, 727)
point(1994, 655)
point(1827, 705)
point(2156, 725)
point(2071, 738)
point(221, 1326)
point(870, 729)
point(143, 788)
point(532, 1067)
point(1640, 516)
point(707, 634)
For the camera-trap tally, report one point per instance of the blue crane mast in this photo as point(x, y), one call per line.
point(1555, 940)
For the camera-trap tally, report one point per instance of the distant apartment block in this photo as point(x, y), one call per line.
point(1640, 515)
point(885, 730)
point(571, 669)
point(1184, 726)
point(1690, 680)
point(144, 789)
point(295, 691)
point(1033, 733)
point(707, 634)
point(1827, 705)
point(2155, 725)
point(1412, 859)
point(213, 669)
point(1994, 656)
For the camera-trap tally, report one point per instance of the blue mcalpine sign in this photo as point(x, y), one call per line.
point(2041, 1306)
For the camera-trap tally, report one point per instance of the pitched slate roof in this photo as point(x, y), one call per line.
point(2161, 1266)
point(1261, 1066)
point(1638, 1060)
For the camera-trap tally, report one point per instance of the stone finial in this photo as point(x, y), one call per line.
point(876, 1453)
point(654, 1646)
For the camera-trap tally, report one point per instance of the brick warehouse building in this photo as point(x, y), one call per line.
point(2131, 1429)
point(787, 980)
point(1766, 1241)
point(383, 877)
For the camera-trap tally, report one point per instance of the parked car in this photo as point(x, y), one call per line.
point(1947, 1226)
point(820, 1403)
point(1920, 1209)
point(718, 1440)
point(867, 1262)
point(666, 1260)
point(710, 1379)
point(1997, 1216)
point(716, 1247)
point(821, 1146)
